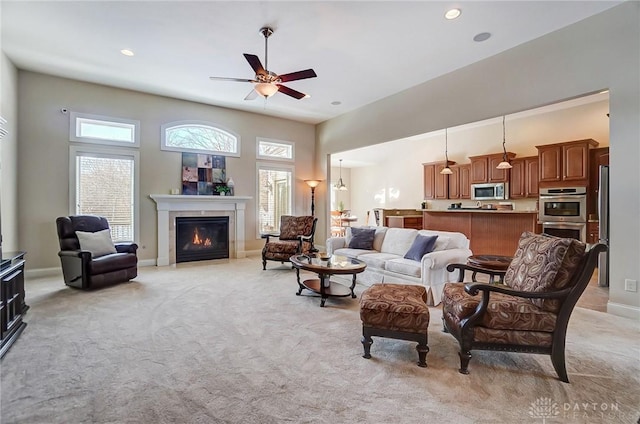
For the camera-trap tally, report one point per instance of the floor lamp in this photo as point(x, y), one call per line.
point(313, 184)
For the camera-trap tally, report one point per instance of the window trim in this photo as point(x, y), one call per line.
point(169, 125)
point(273, 167)
point(73, 124)
point(273, 158)
point(76, 150)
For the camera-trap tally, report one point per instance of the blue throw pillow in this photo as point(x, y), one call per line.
point(420, 247)
point(362, 238)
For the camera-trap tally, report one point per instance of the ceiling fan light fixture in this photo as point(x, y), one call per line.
point(266, 89)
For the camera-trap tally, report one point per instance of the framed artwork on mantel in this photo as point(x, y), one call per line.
point(202, 174)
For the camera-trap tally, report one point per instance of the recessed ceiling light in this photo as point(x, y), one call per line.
point(452, 13)
point(482, 37)
point(126, 52)
point(336, 103)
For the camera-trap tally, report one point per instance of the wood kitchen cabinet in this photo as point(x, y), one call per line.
point(460, 182)
point(565, 164)
point(465, 181)
point(429, 182)
point(532, 173)
point(405, 221)
point(436, 185)
point(441, 183)
point(483, 168)
point(523, 181)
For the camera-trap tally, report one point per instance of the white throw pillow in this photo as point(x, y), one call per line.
point(441, 243)
point(98, 243)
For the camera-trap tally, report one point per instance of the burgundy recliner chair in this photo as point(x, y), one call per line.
point(80, 268)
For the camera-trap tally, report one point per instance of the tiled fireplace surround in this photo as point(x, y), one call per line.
point(171, 206)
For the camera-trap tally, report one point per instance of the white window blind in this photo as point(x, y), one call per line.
point(105, 186)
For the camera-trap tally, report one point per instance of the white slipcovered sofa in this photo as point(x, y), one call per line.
point(386, 262)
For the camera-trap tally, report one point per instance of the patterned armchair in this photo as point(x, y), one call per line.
point(528, 313)
point(296, 236)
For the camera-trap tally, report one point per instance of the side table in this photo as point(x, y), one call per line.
point(497, 263)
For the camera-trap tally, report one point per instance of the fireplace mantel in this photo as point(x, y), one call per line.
point(167, 204)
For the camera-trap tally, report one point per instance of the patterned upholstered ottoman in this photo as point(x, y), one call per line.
point(396, 311)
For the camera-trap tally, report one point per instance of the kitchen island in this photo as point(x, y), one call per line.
point(491, 232)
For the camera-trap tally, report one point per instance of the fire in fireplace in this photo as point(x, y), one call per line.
point(202, 238)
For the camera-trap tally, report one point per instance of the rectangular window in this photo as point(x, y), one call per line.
point(275, 149)
point(104, 182)
point(104, 130)
point(275, 196)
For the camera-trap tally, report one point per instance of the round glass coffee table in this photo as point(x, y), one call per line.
point(325, 269)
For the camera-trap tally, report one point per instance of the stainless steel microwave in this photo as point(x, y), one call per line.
point(490, 191)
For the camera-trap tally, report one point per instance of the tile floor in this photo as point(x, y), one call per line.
point(594, 297)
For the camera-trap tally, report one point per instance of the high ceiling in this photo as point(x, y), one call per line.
point(362, 51)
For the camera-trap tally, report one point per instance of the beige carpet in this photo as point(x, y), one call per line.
point(227, 342)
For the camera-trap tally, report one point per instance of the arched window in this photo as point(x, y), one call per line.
point(199, 137)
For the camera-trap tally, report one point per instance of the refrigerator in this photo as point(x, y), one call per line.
point(603, 217)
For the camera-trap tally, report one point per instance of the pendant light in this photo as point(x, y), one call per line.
point(505, 160)
point(446, 170)
point(340, 185)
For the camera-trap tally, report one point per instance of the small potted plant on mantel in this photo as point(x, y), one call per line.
point(222, 190)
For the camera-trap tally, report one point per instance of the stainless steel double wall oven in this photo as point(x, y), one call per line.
point(563, 212)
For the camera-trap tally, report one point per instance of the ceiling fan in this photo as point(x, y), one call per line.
point(267, 83)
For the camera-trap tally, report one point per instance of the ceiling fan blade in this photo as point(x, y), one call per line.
point(293, 76)
point(252, 95)
point(231, 79)
point(255, 63)
point(291, 92)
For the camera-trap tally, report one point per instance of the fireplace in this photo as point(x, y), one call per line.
point(170, 207)
point(202, 238)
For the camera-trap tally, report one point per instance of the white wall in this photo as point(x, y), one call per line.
point(600, 52)
point(43, 156)
point(8, 155)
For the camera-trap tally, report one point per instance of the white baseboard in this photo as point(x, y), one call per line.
point(147, 262)
point(43, 272)
point(53, 272)
point(621, 310)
